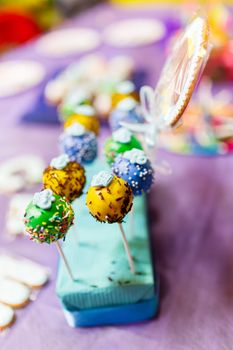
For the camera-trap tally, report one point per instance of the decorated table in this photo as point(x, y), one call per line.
point(190, 223)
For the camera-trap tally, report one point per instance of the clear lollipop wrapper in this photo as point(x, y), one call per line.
point(163, 107)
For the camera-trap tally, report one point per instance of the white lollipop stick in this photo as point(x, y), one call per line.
point(60, 251)
point(127, 250)
point(131, 222)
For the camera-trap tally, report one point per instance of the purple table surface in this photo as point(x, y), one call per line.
point(191, 223)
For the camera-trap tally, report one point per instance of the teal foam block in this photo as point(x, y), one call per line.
point(103, 280)
point(122, 314)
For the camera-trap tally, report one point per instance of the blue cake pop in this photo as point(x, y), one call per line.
point(79, 144)
point(134, 167)
point(127, 111)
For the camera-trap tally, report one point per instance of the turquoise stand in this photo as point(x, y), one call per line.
point(105, 291)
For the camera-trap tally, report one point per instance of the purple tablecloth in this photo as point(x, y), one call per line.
point(191, 222)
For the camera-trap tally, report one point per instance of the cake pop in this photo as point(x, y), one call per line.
point(122, 140)
point(73, 100)
point(47, 219)
point(79, 144)
point(86, 116)
point(122, 90)
point(109, 199)
point(126, 111)
point(134, 167)
point(64, 178)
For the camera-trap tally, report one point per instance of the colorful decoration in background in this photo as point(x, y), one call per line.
point(220, 64)
point(220, 22)
point(207, 127)
point(16, 28)
point(163, 106)
point(96, 75)
point(24, 20)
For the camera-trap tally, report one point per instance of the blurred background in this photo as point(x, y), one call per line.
point(25, 19)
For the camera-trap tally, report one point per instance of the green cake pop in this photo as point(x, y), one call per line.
point(48, 217)
point(122, 140)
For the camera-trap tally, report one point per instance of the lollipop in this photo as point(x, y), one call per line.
point(48, 218)
point(126, 111)
point(79, 144)
point(65, 178)
point(86, 116)
point(73, 100)
point(122, 90)
point(122, 140)
point(109, 199)
point(134, 167)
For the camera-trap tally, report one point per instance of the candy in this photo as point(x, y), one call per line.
point(73, 100)
point(126, 111)
point(64, 177)
point(109, 198)
point(48, 217)
point(79, 144)
point(124, 89)
point(134, 167)
point(122, 140)
point(86, 116)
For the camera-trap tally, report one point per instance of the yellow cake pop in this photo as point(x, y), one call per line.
point(85, 115)
point(109, 198)
point(123, 90)
point(64, 178)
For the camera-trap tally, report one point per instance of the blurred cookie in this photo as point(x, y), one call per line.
point(20, 172)
point(13, 293)
point(23, 270)
point(63, 42)
point(19, 76)
point(134, 32)
point(7, 316)
point(14, 219)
